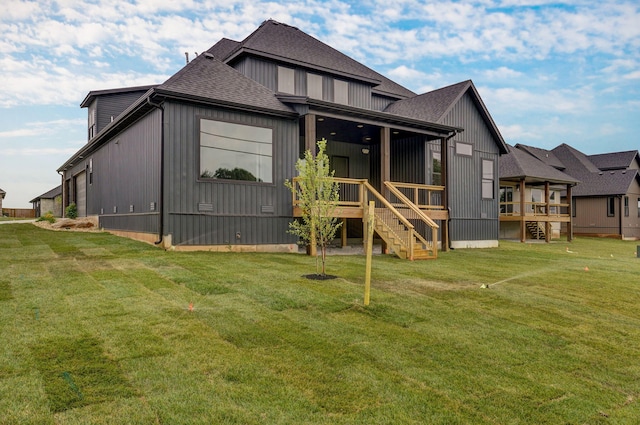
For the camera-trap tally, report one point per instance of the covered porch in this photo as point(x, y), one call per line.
point(537, 208)
point(399, 163)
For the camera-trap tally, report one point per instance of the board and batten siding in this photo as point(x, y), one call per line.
point(112, 105)
point(266, 73)
point(472, 217)
point(123, 178)
point(206, 212)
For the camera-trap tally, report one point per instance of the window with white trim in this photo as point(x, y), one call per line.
point(487, 179)
point(235, 151)
point(465, 149)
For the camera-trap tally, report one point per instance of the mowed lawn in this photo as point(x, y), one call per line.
point(96, 329)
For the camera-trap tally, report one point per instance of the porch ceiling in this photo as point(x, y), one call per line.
point(356, 131)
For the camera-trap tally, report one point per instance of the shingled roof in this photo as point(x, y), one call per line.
point(288, 44)
point(544, 155)
point(434, 106)
point(518, 165)
point(593, 181)
point(2, 193)
point(209, 80)
point(614, 160)
point(51, 194)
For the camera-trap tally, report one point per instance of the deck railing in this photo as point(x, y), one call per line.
point(533, 209)
point(395, 218)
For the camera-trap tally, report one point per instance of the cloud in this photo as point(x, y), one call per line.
point(502, 73)
point(37, 151)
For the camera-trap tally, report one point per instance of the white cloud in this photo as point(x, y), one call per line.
point(502, 73)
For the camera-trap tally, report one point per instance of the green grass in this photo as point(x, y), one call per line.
point(97, 329)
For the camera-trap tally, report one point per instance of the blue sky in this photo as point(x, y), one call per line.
point(549, 72)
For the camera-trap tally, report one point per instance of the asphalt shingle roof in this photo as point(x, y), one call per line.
point(614, 160)
point(208, 79)
point(518, 164)
point(593, 181)
point(289, 44)
point(2, 193)
point(546, 156)
point(56, 191)
point(431, 106)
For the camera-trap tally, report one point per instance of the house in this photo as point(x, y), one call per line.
point(2, 195)
point(606, 199)
point(50, 201)
point(200, 160)
point(531, 204)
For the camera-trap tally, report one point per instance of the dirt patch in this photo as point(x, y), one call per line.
point(83, 224)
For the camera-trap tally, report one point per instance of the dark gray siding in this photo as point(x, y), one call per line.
point(123, 185)
point(266, 73)
point(408, 160)
point(379, 103)
point(213, 212)
point(472, 218)
point(112, 105)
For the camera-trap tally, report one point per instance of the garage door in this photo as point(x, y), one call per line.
point(81, 193)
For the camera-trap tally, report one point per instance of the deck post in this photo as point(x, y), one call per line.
point(310, 133)
point(385, 160)
point(343, 233)
point(547, 224)
point(444, 173)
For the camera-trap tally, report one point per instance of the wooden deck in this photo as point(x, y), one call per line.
point(405, 218)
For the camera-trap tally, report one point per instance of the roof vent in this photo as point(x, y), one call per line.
point(208, 55)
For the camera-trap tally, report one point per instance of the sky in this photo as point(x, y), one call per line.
point(549, 72)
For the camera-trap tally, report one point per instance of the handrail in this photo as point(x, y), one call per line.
point(388, 205)
point(411, 205)
point(416, 192)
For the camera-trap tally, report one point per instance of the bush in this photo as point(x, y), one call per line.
point(48, 216)
point(71, 211)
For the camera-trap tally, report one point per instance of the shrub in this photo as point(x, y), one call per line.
point(48, 216)
point(71, 211)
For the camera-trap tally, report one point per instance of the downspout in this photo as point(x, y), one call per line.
point(161, 203)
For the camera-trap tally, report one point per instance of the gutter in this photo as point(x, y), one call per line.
point(161, 202)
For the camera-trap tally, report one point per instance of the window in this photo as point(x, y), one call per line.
point(341, 92)
point(464, 149)
point(626, 206)
point(90, 171)
point(436, 169)
point(314, 86)
point(487, 179)
point(286, 80)
point(92, 122)
point(611, 206)
point(235, 151)
point(573, 206)
point(638, 207)
point(506, 200)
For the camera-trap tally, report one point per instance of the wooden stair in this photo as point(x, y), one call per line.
point(535, 230)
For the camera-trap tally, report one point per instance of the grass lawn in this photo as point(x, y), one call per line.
point(96, 329)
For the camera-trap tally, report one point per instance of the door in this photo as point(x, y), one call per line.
point(81, 193)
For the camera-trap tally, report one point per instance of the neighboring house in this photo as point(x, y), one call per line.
point(50, 201)
point(2, 195)
point(606, 201)
point(201, 160)
point(531, 205)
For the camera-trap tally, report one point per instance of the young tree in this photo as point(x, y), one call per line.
point(318, 197)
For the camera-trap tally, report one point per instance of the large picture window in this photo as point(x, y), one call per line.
point(235, 151)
